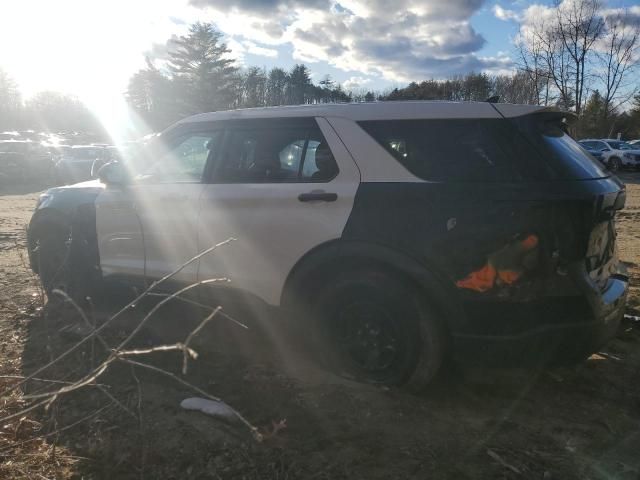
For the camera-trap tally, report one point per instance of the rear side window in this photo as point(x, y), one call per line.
point(546, 134)
point(466, 150)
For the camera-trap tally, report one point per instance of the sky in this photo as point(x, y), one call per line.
point(91, 48)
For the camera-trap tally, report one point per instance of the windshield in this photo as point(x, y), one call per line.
point(620, 145)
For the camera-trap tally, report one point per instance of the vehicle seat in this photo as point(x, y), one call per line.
point(325, 163)
point(266, 166)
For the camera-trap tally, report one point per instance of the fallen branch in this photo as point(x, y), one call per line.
point(502, 462)
point(111, 319)
point(121, 354)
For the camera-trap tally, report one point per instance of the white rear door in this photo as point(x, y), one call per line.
point(280, 188)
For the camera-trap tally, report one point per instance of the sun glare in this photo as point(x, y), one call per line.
point(81, 47)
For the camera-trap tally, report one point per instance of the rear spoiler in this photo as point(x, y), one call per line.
point(550, 116)
point(509, 110)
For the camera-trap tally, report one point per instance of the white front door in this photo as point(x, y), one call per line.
point(280, 188)
point(149, 228)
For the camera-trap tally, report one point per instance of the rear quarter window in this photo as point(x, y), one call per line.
point(572, 161)
point(546, 133)
point(468, 150)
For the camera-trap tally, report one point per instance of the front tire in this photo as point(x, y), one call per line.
point(54, 261)
point(377, 328)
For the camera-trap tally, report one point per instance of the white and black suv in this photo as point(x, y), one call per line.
point(408, 231)
point(615, 154)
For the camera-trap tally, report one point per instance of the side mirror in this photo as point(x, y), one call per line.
point(113, 173)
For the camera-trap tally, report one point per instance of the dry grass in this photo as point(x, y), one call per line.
point(568, 423)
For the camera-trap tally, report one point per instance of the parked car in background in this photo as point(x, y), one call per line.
point(615, 154)
point(594, 147)
point(399, 233)
point(58, 151)
point(634, 143)
point(24, 160)
point(9, 136)
point(76, 162)
point(112, 154)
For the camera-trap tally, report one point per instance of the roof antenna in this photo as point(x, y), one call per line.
point(494, 99)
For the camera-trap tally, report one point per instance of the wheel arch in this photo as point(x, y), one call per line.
point(81, 218)
point(330, 258)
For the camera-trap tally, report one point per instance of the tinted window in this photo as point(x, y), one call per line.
point(283, 152)
point(456, 150)
point(547, 136)
point(566, 152)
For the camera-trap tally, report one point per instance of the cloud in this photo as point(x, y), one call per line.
point(255, 49)
point(539, 18)
point(399, 40)
point(356, 82)
point(261, 6)
point(504, 14)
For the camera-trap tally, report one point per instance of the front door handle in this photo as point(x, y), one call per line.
point(318, 196)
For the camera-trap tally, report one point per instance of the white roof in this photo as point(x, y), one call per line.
point(377, 111)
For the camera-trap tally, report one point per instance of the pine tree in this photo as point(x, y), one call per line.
point(299, 85)
point(590, 124)
point(198, 59)
point(276, 87)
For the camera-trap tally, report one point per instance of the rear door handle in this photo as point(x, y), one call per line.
point(318, 196)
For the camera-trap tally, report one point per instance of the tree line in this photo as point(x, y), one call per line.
point(45, 111)
point(579, 57)
point(199, 76)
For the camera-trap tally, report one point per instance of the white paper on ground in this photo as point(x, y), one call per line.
point(210, 407)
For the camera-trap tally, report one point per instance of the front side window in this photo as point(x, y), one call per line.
point(257, 152)
point(184, 162)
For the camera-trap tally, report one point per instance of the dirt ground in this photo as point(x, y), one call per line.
point(581, 422)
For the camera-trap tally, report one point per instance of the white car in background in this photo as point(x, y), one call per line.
point(615, 154)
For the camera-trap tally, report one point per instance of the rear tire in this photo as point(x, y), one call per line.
point(375, 327)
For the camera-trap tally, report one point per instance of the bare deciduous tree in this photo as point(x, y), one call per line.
point(579, 26)
point(617, 61)
point(532, 63)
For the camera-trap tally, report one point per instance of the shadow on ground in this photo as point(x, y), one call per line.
point(565, 423)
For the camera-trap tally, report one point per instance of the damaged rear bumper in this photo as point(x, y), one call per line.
point(559, 329)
